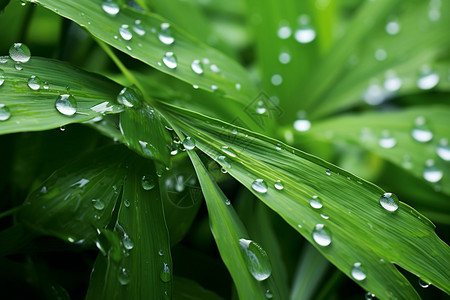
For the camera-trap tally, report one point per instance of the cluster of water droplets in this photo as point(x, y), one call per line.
point(304, 33)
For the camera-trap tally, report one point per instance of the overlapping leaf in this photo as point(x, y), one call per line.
point(348, 227)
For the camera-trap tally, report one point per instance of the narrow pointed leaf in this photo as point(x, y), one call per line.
point(25, 109)
point(186, 289)
point(144, 44)
point(339, 213)
point(135, 260)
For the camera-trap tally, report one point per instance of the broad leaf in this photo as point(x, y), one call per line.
point(340, 214)
point(145, 37)
point(23, 108)
point(135, 260)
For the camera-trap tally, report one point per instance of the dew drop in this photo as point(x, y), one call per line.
point(278, 185)
point(276, 79)
point(127, 242)
point(18, 66)
point(427, 79)
point(259, 186)
point(228, 151)
point(124, 277)
point(165, 273)
point(358, 272)
point(214, 68)
point(197, 66)
point(321, 235)
point(237, 86)
point(375, 94)
point(268, 294)
point(380, 54)
point(328, 172)
point(98, 204)
point(392, 28)
point(421, 132)
point(284, 32)
point(2, 77)
point(138, 28)
point(147, 183)
point(5, 112)
point(260, 108)
point(125, 33)
point(20, 53)
point(161, 252)
point(386, 141)
point(284, 58)
point(66, 104)
point(256, 259)
point(423, 284)
point(189, 143)
point(431, 173)
point(34, 83)
point(127, 203)
point(170, 60)
point(165, 35)
point(443, 150)
point(305, 33)
point(389, 201)
point(129, 97)
point(223, 162)
point(315, 202)
point(302, 125)
point(369, 296)
point(392, 83)
point(111, 8)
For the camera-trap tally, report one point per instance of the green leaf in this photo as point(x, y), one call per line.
point(186, 289)
point(77, 198)
point(26, 109)
point(228, 231)
point(3, 4)
point(149, 49)
point(391, 136)
point(135, 260)
point(348, 227)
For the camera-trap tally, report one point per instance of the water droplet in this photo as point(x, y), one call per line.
point(305, 33)
point(165, 35)
point(392, 83)
point(124, 277)
point(161, 252)
point(302, 125)
point(197, 66)
point(19, 53)
point(18, 66)
point(369, 296)
point(268, 294)
point(427, 79)
point(358, 272)
point(284, 58)
point(34, 83)
point(321, 235)
point(284, 32)
point(170, 60)
point(260, 108)
point(386, 140)
point(431, 173)
point(223, 162)
point(423, 284)
point(126, 202)
point(214, 68)
point(66, 104)
point(392, 27)
point(380, 54)
point(125, 33)
point(237, 86)
point(256, 259)
point(276, 79)
point(129, 97)
point(324, 216)
point(2, 77)
point(228, 151)
point(421, 132)
point(278, 185)
point(259, 186)
point(3, 60)
point(147, 183)
point(389, 201)
point(138, 28)
point(5, 112)
point(165, 273)
point(111, 8)
point(443, 150)
point(98, 204)
point(328, 172)
point(189, 143)
point(315, 202)
point(146, 148)
point(127, 242)
point(375, 94)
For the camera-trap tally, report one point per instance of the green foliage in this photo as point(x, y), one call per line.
point(180, 101)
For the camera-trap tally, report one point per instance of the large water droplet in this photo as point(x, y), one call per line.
point(386, 140)
point(34, 83)
point(302, 124)
point(189, 143)
point(5, 112)
point(165, 35)
point(19, 53)
point(129, 97)
point(443, 150)
point(421, 132)
point(315, 202)
point(127, 242)
point(170, 60)
point(124, 277)
point(389, 201)
point(98, 204)
point(165, 273)
point(305, 33)
point(147, 183)
point(197, 66)
point(256, 259)
point(358, 272)
point(427, 79)
point(66, 104)
point(111, 8)
point(125, 33)
point(2, 77)
point(259, 186)
point(278, 185)
point(431, 173)
point(321, 235)
point(138, 28)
